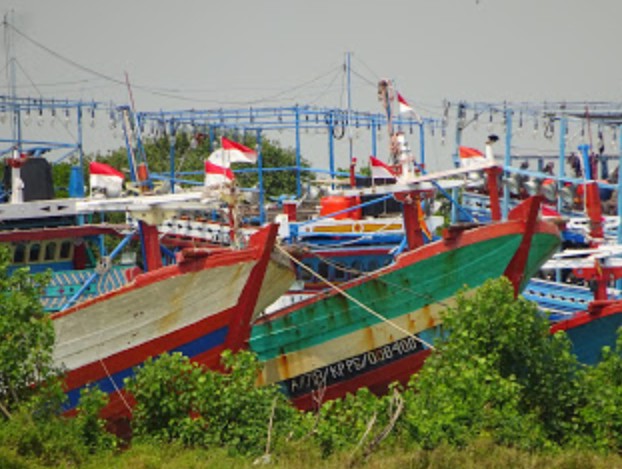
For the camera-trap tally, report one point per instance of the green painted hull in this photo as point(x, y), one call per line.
point(332, 330)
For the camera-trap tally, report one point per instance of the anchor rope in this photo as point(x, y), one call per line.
point(356, 301)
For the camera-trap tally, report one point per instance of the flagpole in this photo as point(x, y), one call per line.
point(349, 78)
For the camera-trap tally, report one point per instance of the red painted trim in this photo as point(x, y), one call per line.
point(465, 238)
point(528, 211)
point(377, 380)
point(136, 355)
point(151, 245)
point(585, 317)
point(45, 234)
point(240, 325)
point(594, 209)
point(493, 192)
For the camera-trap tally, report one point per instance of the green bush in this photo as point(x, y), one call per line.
point(599, 416)
point(177, 400)
point(498, 373)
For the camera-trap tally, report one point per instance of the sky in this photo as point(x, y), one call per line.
point(206, 54)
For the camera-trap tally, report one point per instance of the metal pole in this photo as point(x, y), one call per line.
point(458, 138)
point(298, 184)
point(374, 138)
point(563, 125)
point(331, 146)
point(507, 162)
point(349, 78)
point(262, 209)
point(422, 145)
point(171, 153)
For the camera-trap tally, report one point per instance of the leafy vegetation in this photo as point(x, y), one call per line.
point(26, 334)
point(497, 390)
point(177, 400)
point(191, 154)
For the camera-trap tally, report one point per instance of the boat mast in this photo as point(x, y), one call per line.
point(9, 41)
point(385, 96)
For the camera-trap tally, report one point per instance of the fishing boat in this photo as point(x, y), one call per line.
point(110, 314)
point(380, 327)
point(581, 297)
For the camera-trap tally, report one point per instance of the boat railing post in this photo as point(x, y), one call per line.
point(454, 206)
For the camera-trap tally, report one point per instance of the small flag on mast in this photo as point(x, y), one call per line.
point(218, 165)
point(404, 107)
point(235, 152)
point(105, 179)
point(380, 170)
point(469, 152)
point(403, 104)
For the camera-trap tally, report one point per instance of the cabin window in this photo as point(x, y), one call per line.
point(50, 251)
point(323, 270)
point(65, 250)
point(19, 254)
point(373, 265)
point(340, 273)
point(33, 254)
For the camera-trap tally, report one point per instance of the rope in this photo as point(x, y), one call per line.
point(363, 273)
point(114, 385)
point(354, 300)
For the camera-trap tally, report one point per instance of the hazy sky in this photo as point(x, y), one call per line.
point(234, 53)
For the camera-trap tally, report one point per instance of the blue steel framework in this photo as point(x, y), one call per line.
point(336, 122)
point(551, 115)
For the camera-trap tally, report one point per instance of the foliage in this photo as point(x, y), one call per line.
point(177, 400)
point(190, 157)
point(343, 423)
point(90, 426)
point(599, 417)
point(26, 334)
point(37, 431)
point(498, 373)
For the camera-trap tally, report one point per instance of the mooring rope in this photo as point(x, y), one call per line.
point(354, 300)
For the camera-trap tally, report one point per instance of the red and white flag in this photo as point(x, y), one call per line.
point(380, 170)
point(105, 179)
point(403, 104)
point(218, 165)
point(470, 157)
point(232, 152)
point(468, 152)
point(217, 175)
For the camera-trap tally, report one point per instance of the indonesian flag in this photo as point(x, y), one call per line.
point(218, 165)
point(232, 152)
point(470, 157)
point(468, 152)
point(217, 174)
point(105, 179)
point(403, 104)
point(380, 170)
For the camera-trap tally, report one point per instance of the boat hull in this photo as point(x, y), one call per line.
point(199, 307)
point(329, 345)
point(590, 332)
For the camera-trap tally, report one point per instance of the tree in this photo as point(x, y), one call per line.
point(499, 372)
point(190, 157)
point(26, 334)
